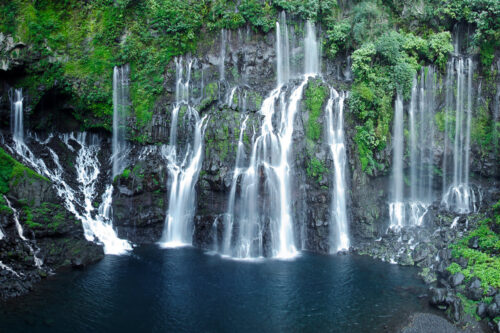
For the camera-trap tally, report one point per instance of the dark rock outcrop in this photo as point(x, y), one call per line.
point(52, 235)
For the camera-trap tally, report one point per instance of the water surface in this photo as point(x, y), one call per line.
point(187, 290)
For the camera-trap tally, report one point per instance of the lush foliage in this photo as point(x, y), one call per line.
point(482, 13)
point(316, 169)
point(384, 61)
point(11, 172)
point(482, 262)
point(315, 94)
point(76, 44)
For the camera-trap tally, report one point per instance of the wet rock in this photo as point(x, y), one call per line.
point(455, 308)
point(463, 262)
point(438, 296)
point(474, 290)
point(481, 310)
point(491, 292)
point(457, 279)
point(474, 242)
point(493, 310)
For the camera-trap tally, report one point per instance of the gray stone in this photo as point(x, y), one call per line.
point(481, 310)
point(457, 279)
point(493, 310)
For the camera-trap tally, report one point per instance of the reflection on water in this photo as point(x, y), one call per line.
point(186, 290)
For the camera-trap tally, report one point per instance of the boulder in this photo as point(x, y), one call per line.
point(457, 279)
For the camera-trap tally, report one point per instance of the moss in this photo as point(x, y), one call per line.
point(484, 130)
point(210, 93)
point(12, 172)
point(316, 169)
point(47, 215)
point(219, 140)
point(316, 94)
point(469, 306)
point(126, 173)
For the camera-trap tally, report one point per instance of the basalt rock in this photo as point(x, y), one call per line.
point(53, 235)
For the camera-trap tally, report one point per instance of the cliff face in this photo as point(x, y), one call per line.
point(248, 69)
point(38, 234)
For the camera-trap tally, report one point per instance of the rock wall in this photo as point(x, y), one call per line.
point(52, 234)
point(140, 197)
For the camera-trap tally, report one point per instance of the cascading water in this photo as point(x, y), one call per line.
point(16, 117)
point(120, 111)
point(183, 168)
point(229, 217)
point(460, 196)
point(230, 97)
point(282, 50)
point(9, 269)
point(421, 132)
point(95, 226)
point(311, 50)
point(397, 206)
point(87, 167)
point(339, 235)
point(38, 261)
point(254, 228)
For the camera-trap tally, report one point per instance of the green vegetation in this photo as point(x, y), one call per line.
point(484, 130)
point(316, 94)
point(47, 215)
point(126, 173)
point(219, 140)
point(74, 46)
point(316, 169)
point(482, 13)
point(470, 306)
point(12, 172)
point(380, 69)
point(483, 262)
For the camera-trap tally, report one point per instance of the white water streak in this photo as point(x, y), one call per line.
point(339, 235)
point(184, 170)
point(120, 110)
point(20, 232)
point(397, 207)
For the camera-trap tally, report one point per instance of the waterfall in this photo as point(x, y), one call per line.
point(229, 217)
point(230, 96)
point(16, 117)
point(282, 50)
point(120, 113)
point(20, 232)
point(269, 160)
point(421, 132)
point(9, 269)
point(460, 196)
point(396, 206)
point(260, 223)
point(311, 50)
point(80, 201)
point(339, 236)
point(183, 163)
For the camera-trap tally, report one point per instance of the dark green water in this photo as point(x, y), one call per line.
point(187, 290)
